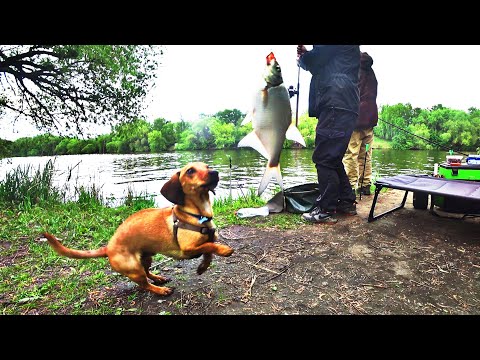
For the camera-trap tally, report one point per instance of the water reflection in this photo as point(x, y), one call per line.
point(240, 169)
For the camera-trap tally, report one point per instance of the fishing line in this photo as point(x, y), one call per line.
point(427, 140)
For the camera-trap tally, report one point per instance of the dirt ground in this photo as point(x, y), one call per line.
point(408, 262)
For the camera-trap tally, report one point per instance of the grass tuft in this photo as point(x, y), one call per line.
point(24, 188)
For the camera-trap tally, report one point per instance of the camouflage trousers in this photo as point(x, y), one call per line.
point(354, 158)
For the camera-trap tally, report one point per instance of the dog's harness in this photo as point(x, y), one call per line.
point(201, 229)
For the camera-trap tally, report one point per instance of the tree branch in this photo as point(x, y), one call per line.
point(11, 86)
point(34, 97)
point(75, 84)
point(15, 58)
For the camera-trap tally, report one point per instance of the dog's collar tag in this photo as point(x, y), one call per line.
point(203, 219)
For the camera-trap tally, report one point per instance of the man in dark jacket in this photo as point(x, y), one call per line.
point(334, 101)
point(357, 160)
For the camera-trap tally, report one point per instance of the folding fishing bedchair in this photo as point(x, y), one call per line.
point(459, 196)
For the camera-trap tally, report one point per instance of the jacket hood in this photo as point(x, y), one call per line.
point(366, 60)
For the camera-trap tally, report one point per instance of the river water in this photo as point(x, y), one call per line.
point(240, 170)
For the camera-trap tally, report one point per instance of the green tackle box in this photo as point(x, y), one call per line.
point(459, 172)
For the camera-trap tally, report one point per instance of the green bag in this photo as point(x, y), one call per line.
point(297, 199)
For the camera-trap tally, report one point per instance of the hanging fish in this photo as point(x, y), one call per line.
point(271, 118)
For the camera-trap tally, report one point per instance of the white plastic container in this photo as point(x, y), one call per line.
point(473, 159)
point(454, 159)
point(250, 212)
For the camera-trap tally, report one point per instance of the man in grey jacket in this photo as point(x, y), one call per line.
point(334, 100)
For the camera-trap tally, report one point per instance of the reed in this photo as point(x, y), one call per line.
point(24, 187)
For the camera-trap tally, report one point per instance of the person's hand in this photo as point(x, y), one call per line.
point(301, 49)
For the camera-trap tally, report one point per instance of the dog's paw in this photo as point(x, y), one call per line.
point(225, 251)
point(202, 268)
point(167, 291)
point(161, 290)
point(161, 280)
point(170, 291)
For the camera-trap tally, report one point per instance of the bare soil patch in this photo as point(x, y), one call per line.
point(408, 262)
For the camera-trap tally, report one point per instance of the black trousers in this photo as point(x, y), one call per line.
point(333, 132)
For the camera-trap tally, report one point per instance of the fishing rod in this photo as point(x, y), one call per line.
point(427, 140)
point(298, 97)
point(292, 92)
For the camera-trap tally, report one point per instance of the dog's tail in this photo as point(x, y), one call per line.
point(71, 253)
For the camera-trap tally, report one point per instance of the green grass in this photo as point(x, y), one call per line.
point(36, 277)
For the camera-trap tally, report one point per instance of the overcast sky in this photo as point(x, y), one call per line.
point(197, 79)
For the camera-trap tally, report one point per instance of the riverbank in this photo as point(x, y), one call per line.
point(379, 143)
point(409, 262)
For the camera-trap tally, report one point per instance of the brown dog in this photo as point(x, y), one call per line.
point(183, 231)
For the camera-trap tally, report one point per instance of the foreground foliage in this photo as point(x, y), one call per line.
point(57, 86)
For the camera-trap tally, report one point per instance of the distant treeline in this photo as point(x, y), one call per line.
point(219, 131)
point(452, 129)
point(441, 127)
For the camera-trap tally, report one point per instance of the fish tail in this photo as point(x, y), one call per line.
point(270, 171)
point(294, 134)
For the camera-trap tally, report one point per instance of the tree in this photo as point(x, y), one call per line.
point(66, 87)
point(61, 148)
point(74, 146)
point(399, 115)
point(437, 107)
point(101, 142)
point(223, 134)
point(159, 123)
point(133, 136)
point(227, 116)
point(5, 148)
point(113, 147)
point(156, 141)
point(89, 149)
point(203, 132)
point(168, 132)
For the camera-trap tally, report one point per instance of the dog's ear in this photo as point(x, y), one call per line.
point(172, 190)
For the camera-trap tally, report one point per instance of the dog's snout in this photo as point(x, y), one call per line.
point(213, 174)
